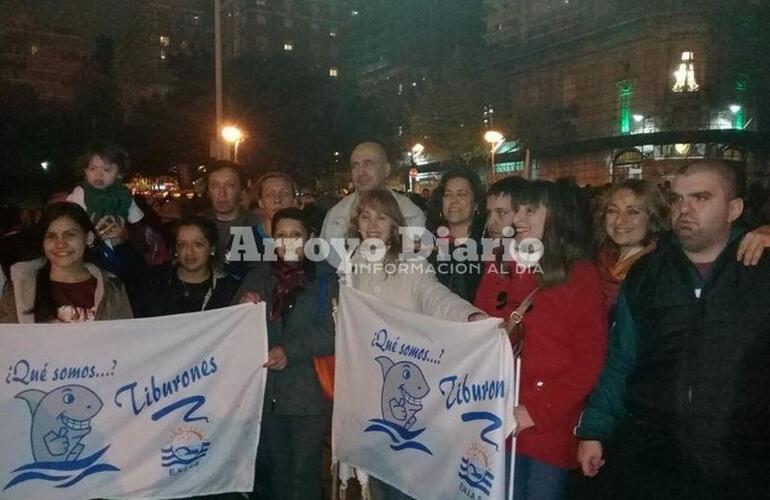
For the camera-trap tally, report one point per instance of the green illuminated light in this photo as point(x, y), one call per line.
point(625, 90)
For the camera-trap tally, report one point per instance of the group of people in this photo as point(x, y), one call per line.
point(642, 322)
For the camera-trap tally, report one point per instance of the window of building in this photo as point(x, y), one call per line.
point(625, 91)
point(684, 76)
point(534, 94)
point(288, 22)
point(333, 32)
point(569, 90)
point(262, 43)
point(34, 49)
point(333, 72)
point(353, 12)
point(261, 3)
point(164, 41)
point(261, 20)
point(288, 46)
point(509, 167)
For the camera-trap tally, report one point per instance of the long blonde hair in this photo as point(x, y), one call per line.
point(384, 202)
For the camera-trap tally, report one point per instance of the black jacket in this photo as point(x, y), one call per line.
point(161, 293)
point(305, 330)
point(698, 394)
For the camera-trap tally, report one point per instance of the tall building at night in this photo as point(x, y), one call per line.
point(149, 34)
point(600, 90)
point(416, 58)
point(47, 60)
point(309, 30)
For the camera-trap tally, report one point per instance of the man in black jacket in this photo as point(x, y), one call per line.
point(697, 389)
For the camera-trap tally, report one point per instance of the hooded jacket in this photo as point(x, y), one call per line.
point(18, 301)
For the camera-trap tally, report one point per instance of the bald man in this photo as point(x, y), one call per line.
point(369, 169)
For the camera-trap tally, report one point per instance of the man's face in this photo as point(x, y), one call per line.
point(368, 167)
point(277, 193)
point(701, 211)
point(500, 215)
point(225, 191)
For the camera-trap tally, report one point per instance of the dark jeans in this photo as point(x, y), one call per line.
point(536, 480)
point(289, 457)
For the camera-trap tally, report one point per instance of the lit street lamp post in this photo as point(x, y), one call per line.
point(495, 139)
point(417, 150)
point(233, 135)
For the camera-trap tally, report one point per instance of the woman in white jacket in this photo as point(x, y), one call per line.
point(377, 268)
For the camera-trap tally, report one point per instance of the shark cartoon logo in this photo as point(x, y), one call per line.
point(403, 388)
point(60, 420)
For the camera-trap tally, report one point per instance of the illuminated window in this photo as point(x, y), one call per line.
point(625, 90)
point(333, 32)
point(164, 41)
point(333, 72)
point(34, 49)
point(353, 12)
point(509, 167)
point(684, 77)
point(288, 46)
point(162, 54)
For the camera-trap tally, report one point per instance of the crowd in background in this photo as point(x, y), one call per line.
point(637, 292)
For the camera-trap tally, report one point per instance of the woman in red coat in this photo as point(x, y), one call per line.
point(565, 327)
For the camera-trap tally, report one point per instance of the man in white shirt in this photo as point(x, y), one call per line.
point(369, 169)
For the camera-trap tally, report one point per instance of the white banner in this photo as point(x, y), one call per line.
point(422, 403)
point(146, 408)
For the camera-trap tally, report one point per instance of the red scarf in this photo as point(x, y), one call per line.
point(289, 280)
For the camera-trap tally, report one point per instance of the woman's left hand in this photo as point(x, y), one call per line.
point(276, 359)
point(523, 420)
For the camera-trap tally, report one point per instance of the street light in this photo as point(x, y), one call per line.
point(495, 140)
point(417, 150)
point(233, 135)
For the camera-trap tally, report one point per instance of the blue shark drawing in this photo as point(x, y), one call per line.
point(403, 388)
point(61, 419)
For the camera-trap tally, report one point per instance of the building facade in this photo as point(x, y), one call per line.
point(47, 60)
point(600, 90)
point(309, 30)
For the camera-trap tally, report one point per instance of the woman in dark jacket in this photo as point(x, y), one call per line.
point(191, 283)
point(456, 217)
point(298, 294)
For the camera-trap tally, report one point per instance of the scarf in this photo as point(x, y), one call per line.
point(290, 279)
point(113, 200)
point(613, 270)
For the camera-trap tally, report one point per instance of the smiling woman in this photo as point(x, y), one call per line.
point(62, 287)
point(193, 282)
point(635, 215)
